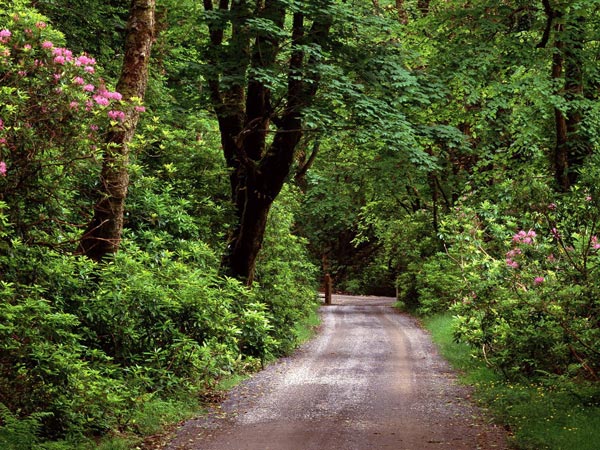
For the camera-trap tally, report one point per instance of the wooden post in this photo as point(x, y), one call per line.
point(327, 289)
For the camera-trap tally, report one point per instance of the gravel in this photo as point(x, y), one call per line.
point(370, 379)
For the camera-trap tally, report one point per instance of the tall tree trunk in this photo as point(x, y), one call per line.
point(245, 114)
point(103, 234)
point(567, 68)
point(401, 11)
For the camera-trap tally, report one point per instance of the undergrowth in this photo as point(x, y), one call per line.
point(551, 413)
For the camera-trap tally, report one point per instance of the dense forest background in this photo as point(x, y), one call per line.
point(176, 178)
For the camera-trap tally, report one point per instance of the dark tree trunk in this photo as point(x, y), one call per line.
point(103, 234)
point(423, 6)
point(571, 148)
point(246, 116)
point(401, 11)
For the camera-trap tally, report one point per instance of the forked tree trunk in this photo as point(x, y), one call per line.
point(103, 234)
point(246, 116)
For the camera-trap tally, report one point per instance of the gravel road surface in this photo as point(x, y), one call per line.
point(371, 379)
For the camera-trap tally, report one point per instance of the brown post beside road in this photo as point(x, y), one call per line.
point(327, 289)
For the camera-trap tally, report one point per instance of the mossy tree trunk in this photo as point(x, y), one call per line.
point(103, 233)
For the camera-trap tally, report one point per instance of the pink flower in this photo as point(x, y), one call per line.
point(79, 80)
point(1, 124)
point(2, 168)
point(514, 252)
point(595, 243)
point(22, 73)
point(40, 25)
point(116, 115)
point(89, 69)
point(74, 105)
point(113, 95)
point(588, 198)
point(140, 109)
point(511, 263)
point(47, 44)
point(5, 35)
point(89, 88)
point(524, 237)
point(57, 76)
point(102, 101)
point(552, 206)
point(65, 53)
point(538, 280)
point(2, 141)
point(555, 233)
point(94, 127)
point(84, 60)
point(59, 59)
point(27, 47)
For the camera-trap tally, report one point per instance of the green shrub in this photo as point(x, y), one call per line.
point(530, 299)
point(286, 277)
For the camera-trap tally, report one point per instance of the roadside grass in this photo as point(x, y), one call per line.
point(553, 414)
point(305, 329)
point(153, 417)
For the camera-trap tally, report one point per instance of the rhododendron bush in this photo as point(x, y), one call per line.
point(53, 108)
point(527, 292)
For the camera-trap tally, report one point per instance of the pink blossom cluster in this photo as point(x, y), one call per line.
point(538, 280)
point(595, 243)
point(510, 262)
point(524, 237)
point(64, 55)
point(5, 35)
point(116, 115)
point(64, 68)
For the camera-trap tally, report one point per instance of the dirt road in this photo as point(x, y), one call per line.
point(370, 380)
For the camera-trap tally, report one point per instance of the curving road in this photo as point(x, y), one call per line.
point(371, 379)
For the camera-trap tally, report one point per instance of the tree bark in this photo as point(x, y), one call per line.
point(103, 234)
point(246, 116)
point(423, 6)
point(401, 11)
point(571, 148)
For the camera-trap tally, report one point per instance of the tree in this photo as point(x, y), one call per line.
point(103, 234)
point(259, 93)
point(567, 69)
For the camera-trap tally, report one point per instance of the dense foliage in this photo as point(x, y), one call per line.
point(449, 155)
point(488, 206)
point(85, 345)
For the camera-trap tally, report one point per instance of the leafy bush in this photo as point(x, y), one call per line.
point(54, 107)
point(529, 302)
point(286, 276)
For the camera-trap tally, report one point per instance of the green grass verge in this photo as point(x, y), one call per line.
point(306, 328)
point(553, 414)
